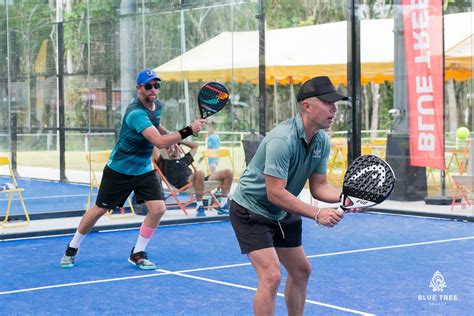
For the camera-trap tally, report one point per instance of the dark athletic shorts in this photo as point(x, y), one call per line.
point(256, 232)
point(115, 188)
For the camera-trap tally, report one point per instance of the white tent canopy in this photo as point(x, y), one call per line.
point(297, 54)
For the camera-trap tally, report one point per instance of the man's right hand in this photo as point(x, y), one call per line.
point(329, 217)
point(197, 125)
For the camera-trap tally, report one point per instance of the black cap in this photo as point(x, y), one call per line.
point(320, 87)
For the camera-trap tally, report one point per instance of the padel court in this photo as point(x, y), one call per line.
point(48, 199)
point(42, 196)
point(368, 264)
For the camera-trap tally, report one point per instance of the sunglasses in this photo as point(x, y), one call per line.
point(149, 86)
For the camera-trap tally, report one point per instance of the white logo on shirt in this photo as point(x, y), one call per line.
point(317, 153)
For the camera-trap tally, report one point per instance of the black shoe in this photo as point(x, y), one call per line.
point(140, 260)
point(69, 257)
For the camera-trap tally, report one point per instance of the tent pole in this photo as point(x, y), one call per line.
point(292, 98)
point(275, 100)
point(185, 82)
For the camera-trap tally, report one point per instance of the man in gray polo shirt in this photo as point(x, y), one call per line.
point(266, 213)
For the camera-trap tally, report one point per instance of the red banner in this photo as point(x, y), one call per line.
point(423, 30)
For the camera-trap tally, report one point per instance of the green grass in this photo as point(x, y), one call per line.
point(76, 160)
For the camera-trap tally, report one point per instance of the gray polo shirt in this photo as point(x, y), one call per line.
point(284, 153)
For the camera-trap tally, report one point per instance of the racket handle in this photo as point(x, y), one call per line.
point(340, 210)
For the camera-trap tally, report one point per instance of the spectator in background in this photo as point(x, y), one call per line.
point(213, 142)
point(175, 165)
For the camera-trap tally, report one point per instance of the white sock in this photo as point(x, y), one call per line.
point(141, 244)
point(223, 201)
point(76, 240)
point(198, 203)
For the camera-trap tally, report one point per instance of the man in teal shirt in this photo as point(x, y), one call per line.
point(129, 168)
point(266, 213)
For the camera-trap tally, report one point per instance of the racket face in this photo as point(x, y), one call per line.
point(369, 180)
point(212, 97)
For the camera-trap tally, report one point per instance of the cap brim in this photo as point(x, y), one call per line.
point(150, 79)
point(332, 97)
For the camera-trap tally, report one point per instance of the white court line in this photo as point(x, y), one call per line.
point(391, 247)
point(230, 266)
point(48, 197)
point(255, 289)
point(82, 283)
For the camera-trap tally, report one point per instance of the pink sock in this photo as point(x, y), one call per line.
point(146, 231)
point(143, 238)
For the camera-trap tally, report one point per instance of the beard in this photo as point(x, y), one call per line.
point(150, 98)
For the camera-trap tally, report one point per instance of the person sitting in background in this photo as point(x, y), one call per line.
point(213, 142)
point(175, 166)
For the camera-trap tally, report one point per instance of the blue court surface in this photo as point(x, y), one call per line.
point(43, 196)
point(52, 198)
point(368, 264)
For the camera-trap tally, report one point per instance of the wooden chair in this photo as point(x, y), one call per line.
point(378, 146)
point(188, 189)
point(5, 162)
point(337, 160)
point(101, 157)
point(465, 189)
point(456, 161)
point(463, 184)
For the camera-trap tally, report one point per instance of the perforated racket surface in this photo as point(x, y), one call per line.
point(368, 181)
point(212, 98)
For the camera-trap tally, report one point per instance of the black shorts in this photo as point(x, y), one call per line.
point(256, 232)
point(116, 187)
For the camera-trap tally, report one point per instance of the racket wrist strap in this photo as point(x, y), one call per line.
point(185, 132)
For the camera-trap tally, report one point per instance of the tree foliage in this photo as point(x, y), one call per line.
point(92, 49)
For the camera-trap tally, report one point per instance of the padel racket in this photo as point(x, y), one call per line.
point(368, 181)
point(212, 98)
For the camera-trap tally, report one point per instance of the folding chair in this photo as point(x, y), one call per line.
point(337, 160)
point(463, 184)
point(5, 161)
point(379, 146)
point(464, 188)
point(188, 189)
point(217, 153)
point(101, 157)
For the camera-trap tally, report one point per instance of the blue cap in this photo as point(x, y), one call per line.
point(146, 75)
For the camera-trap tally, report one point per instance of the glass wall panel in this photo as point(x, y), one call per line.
point(66, 82)
point(416, 92)
point(305, 39)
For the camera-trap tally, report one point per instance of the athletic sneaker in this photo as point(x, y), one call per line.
point(140, 260)
point(200, 211)
point(67, 261)
point(223, 210)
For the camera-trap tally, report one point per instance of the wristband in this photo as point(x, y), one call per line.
point(185, 132)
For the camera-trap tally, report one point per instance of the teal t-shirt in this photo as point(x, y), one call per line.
point(132, 152)
point(284, 153)
point(213, 142)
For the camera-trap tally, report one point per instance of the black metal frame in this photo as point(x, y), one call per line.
point(354, 142)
